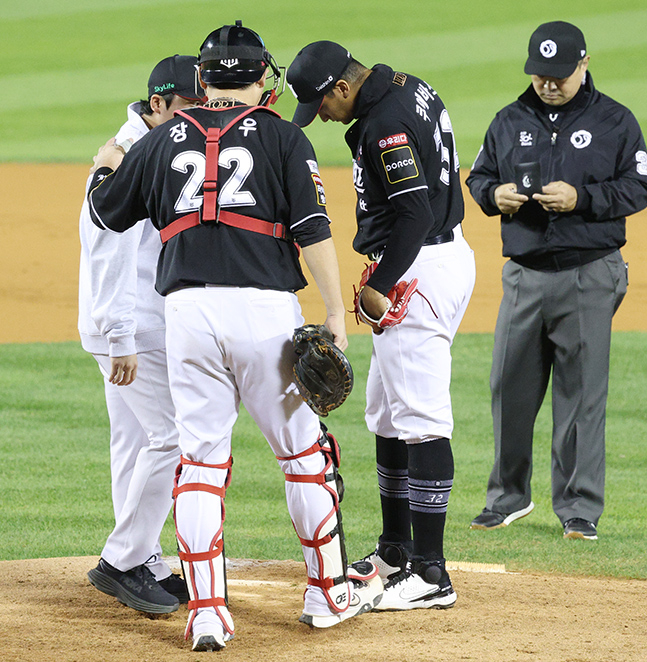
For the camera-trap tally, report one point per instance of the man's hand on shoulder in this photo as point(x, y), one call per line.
point(109, 155)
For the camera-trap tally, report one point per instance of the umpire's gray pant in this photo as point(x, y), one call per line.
point(559, 320)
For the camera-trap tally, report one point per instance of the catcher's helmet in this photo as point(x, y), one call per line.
point(234, 56)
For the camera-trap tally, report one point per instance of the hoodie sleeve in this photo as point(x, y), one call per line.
point(112, 272)
point(484, 176)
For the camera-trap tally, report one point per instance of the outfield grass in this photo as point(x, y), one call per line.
point(69, 67)
point(56, 488)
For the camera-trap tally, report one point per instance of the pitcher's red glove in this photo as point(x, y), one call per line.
point(399, 296)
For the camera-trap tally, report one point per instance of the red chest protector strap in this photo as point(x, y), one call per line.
point(209, 211)
point(276, 230)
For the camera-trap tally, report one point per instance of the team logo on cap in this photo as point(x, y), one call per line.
point(161, 89)
point(581, 139)
point(548, 48)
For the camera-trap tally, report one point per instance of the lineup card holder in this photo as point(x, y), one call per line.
point(528, 178)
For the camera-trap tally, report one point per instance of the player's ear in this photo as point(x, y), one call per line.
point(344, 88)
point(261, 81)
point(156, 103)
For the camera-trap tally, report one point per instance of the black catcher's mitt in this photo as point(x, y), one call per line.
point(322, 372)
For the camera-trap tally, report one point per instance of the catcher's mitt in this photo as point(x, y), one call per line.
point(322, 372)
point(399, 296)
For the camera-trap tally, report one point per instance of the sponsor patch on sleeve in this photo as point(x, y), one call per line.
point(313, 165)
point(319, 188)
point(393, 141)
point(399, 164)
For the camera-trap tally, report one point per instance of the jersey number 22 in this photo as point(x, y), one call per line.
point(231, 193)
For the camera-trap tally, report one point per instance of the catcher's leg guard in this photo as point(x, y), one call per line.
point(314, 489)
point(199, 516)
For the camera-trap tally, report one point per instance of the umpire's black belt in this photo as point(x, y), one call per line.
point(561, 260)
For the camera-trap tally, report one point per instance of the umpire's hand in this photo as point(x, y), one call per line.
point(557, 196)
point(507, 199)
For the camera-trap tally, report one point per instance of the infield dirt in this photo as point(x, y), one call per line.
point(50, 613)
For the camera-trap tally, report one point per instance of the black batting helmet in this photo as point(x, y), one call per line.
point(234, 56)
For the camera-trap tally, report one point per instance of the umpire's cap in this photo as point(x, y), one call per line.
point(313, 73)
point(555, 49)
point(175, 75)
point(234, 56)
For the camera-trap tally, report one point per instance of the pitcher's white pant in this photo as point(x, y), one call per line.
point(226, 346)
point(407, 393)
point(144, 453)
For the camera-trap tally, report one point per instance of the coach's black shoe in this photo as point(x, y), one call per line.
point(488, 519)
point(390, 559)
point(580, 528)
point(136, 588)
point(175, 585)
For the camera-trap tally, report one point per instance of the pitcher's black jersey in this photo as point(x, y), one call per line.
point(267, 170)
point(405, 170)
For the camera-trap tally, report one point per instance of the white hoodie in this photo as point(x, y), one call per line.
point(120, 313)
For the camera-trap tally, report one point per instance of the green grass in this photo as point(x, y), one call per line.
point(56, 487)
point(69, 67)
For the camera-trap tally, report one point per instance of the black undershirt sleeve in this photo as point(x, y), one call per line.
point(415, 220)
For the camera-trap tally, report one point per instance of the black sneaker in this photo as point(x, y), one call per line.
point(488, 519)
point(389, 558)
point(175, 585)
point(136, 588)
point(580, 528)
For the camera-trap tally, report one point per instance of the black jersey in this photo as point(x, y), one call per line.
point(405, 171)
point(267, 170)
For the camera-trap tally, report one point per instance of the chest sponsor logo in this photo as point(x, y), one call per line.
point(525, 138)
point(399, 164)
point(581, 139)
point(548, 48)
point(319, 188)
point(393, 141)
point(178, 132)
